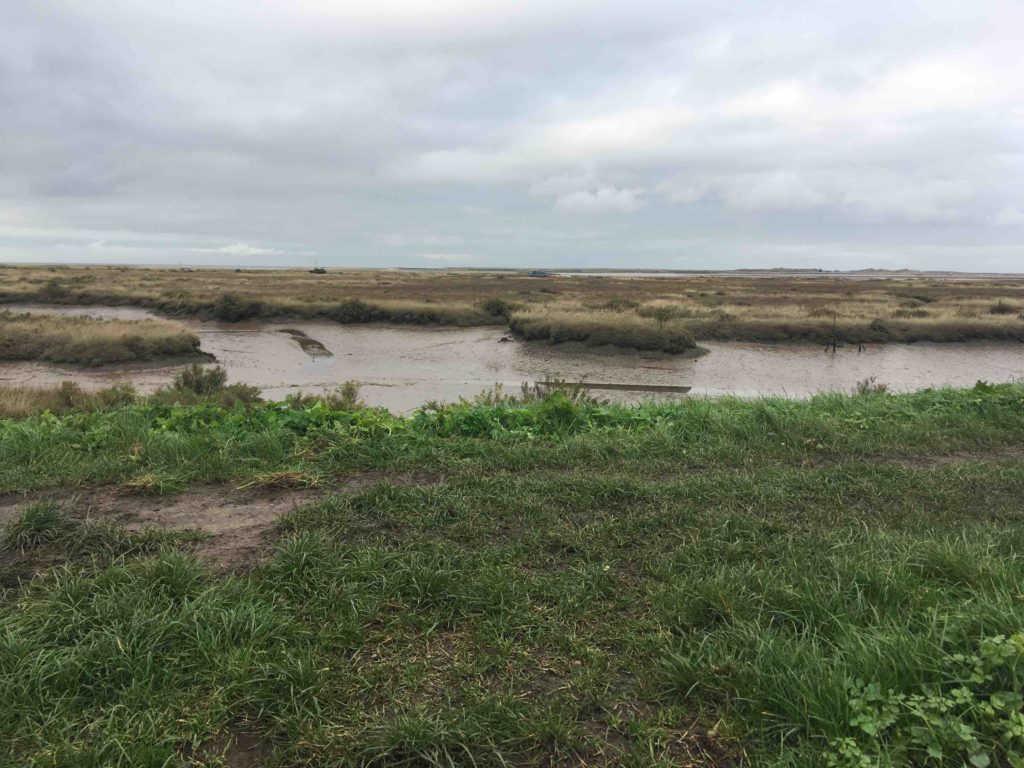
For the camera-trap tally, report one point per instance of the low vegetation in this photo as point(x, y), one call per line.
point(594, 329)
point(658, 312)
point(18, 402)
point(831, 582)
point(194, 385)
point(91, 341)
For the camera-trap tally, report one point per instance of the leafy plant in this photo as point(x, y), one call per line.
point(976, 718)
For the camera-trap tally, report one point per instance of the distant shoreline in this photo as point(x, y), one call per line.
point(556, 271)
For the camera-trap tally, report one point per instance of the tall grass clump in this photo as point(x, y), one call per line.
point(199, 383)
point(18, 402)
point(344, 397)
point(91, 341)
point(497, 308)
point(38, 524)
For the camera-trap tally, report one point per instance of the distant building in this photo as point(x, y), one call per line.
point(539, 273)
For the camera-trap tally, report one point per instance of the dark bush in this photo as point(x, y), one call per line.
point(353, 311)
point(498, 308)
point(661, 313)
point(200, 380)
point(232, 308)
point(1002, 308)
point(878, 326)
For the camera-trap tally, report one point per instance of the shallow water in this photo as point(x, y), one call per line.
point(402, 367)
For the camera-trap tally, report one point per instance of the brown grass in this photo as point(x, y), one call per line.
point(19, 402)
point(91, 341)
point(605, 309)
point(597, 328)
point(191, 386)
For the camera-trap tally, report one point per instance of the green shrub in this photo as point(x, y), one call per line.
point(353, 311)
point(233, 308)
point(660, 313)
point(498, 308)
point(200, 380)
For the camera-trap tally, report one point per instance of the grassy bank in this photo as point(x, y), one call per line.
point(91, 341)
point(595, 330)
point(657, 312)
point(816, 583)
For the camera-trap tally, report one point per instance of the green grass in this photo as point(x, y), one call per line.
point(780, 583)
point(209, 442)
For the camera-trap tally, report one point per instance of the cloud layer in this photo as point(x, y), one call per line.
point(669, 134)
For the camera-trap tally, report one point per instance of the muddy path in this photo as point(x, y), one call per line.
point(242, 521)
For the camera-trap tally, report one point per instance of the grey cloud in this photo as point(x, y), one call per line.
point(525, 133)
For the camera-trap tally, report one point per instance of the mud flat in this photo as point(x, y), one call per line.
point(403, 367)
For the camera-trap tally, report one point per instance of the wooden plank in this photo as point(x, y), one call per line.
point(616, 387)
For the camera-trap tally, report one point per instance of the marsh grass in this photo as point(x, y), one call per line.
point(595, 328)
point(194, 385)
point(657, 312)
point(1002, 308)
point(19, 402)
point(91, 341)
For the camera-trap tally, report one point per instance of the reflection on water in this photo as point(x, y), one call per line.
point(402, 367)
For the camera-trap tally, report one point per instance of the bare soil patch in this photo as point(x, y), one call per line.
point(240, 522)
point(235, 747)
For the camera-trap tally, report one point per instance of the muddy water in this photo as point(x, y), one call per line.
point(402, 367)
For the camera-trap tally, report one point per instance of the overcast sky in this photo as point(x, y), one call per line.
point(603, 133)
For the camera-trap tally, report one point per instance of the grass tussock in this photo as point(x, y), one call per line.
point(20, 402)
point(344, 397)
point(49, 524)
point(91, 341)
point(195, 385)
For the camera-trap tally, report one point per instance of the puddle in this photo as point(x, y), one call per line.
point(403, 367)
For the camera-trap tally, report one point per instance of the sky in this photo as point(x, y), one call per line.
point(479, 133)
